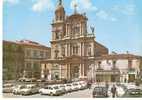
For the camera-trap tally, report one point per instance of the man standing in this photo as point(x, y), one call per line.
point(113, 91)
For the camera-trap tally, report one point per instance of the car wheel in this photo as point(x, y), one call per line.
point(51, 94)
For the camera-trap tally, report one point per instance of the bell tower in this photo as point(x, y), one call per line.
point(58, 22)
point(60, 12)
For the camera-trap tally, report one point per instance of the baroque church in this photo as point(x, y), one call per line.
point(75, 54)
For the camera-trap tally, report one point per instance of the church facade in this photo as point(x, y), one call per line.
point(75, 54)
point(72, 48)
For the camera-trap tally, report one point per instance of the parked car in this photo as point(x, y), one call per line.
point(8, 88)
point(41, 80)
point(75, 86)
point(68, 87)
point(133, 93)
point(23, 79)
point(17, 89)
point(83, 84)
point(51, 90)
point(29, 89)
point(62, 87)
point(78, 85)
point(100, 92)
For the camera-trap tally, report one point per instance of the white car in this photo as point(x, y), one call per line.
point(74, 86)
point(78, 85)
point(17, 89)
point(68, 87)
point(29, 89)
point(83, 84)
point(8, 88)
point(62, 87)
point(51, 90)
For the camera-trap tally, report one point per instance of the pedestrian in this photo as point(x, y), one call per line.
point(125, 80)
point(113, 91)
point(107, 85)
point(89, 85)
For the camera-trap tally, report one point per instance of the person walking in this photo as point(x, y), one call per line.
point(113, 91)
point(107, 85)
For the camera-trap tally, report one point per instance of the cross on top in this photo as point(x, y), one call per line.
point(60, 2)
point(75, 8)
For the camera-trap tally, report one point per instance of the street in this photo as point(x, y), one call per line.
point(87, 93)
point(77, 94)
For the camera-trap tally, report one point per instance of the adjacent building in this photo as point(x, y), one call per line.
point(22, 59)
point(34, 53)
point(13, 60)
point(116, 68)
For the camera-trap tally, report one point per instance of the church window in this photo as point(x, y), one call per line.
point(75, 50)
point(89, 50)
point(63, 51)
point(56, 35)
point(99, 65)
point(77, 29)
point(56, 54)
point(130, 63)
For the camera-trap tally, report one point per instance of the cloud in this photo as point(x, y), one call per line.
point(13, 2)
point(129, 9)
point(102, 14)
point(42, 5)
point(83, 5)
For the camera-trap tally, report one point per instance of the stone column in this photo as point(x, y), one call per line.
point(81, 49)
point(42, 71)
point(69, 72)
point(66, 30)
point(80, 29)
point(60, 70)
point(83, 70)
point(80, 69)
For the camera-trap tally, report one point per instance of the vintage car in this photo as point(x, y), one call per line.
point(52, 90)
point(100, 92)
point(29, 89)
point(8, 88)
point(17, 89)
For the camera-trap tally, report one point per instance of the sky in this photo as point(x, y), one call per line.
point(118, 23)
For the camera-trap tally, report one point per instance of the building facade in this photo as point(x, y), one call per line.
point(116, 68)
point(34, 53)
point(73, 49)
point(23, 59)
point(75, 54)
point(13, 60)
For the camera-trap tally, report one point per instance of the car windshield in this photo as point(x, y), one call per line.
point(45, 87)
point(75, 84)
point(68, 85)
point(98, 89)
point(56, 87)
point(134, 91)
point(22, 87)
point(62, 86)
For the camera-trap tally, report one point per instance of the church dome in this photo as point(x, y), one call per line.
point(59, 8)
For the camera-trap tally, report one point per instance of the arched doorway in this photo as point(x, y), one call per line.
point(74, 71)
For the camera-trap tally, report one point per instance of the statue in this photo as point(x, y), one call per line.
point(60, 2)
point(92, 29)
